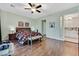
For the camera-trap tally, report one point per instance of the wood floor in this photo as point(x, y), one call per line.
point(48, 47)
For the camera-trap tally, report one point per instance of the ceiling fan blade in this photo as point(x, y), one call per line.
point(38, 11)
point(12, 5)
point(30, 4)
point(27, 8)
point(38, 6)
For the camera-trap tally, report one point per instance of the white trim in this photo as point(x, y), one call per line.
point(55, 38)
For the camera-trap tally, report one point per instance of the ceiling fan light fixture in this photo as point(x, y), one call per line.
point(33, 9)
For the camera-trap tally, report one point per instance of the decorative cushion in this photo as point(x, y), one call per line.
point(1, 48)
point(4, 46)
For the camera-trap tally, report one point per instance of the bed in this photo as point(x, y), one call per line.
point(25, 34)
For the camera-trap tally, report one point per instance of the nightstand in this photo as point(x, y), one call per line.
point(12, 37)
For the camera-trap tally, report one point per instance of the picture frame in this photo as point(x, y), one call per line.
point(26, 24)
point(20, 24)
point(52, 24)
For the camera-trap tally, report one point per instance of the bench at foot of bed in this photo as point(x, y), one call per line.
point(34, 38)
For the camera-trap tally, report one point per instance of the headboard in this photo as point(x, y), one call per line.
point(23, 29)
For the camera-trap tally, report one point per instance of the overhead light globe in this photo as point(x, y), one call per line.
point(33, 9)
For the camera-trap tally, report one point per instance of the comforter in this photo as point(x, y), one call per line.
point(22, 37)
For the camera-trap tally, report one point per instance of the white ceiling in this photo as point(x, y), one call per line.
point(46, 9)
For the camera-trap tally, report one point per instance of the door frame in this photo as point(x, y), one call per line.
point(42, 27)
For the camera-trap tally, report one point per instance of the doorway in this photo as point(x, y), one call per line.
point(71, 24)
point(44, 27)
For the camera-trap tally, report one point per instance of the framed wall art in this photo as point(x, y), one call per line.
point(20, 24)
point(52, 24)
point(26, 24)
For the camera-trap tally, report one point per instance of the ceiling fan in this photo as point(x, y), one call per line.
point(33, 8)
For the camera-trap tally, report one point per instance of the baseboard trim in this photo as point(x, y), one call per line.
point(54, 39)
point(71, 42)
point(62, 40)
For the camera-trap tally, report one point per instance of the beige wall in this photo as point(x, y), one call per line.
point(9, 19)
point(57, 32)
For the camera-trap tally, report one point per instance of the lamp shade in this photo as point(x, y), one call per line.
point(11, 29)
